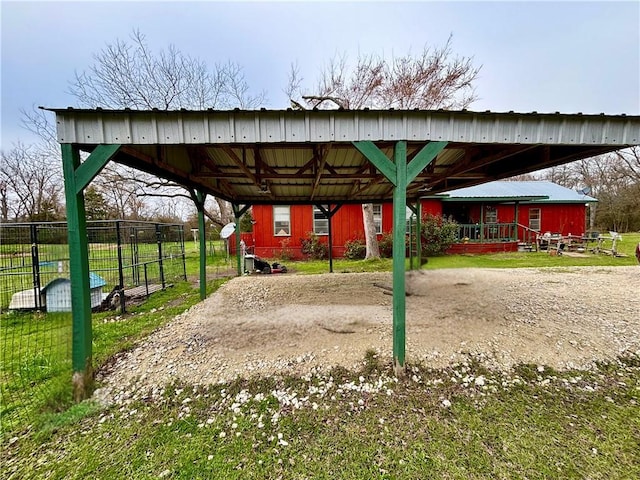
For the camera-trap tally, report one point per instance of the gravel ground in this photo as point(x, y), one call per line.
point(261, 325)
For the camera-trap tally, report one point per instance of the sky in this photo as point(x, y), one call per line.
point(535, 56)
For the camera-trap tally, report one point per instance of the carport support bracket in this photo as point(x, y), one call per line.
point(400, 174)
point(77, 177)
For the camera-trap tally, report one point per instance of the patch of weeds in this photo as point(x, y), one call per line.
point(371, 363)
point(630, 359)
point(527, 371)
point(50, 423)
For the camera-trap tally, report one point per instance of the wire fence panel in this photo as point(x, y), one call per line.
point(127, 260)
point(35, 365)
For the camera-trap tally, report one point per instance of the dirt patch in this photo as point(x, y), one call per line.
point(565, 318)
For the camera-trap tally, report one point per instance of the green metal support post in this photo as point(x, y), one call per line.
point(482, 223)
point(77, 176)
point(419, 233)
point(515, 221)
point(200, 198)
point(237, 213)
point(411, 238)
point(400, 174)
point(399, 287)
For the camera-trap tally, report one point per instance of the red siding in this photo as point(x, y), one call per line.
point(347, 224)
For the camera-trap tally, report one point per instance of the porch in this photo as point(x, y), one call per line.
point(493, 238)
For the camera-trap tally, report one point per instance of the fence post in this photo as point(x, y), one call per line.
point(146, 280)
point(159, 241)
point(35, 267)
point(120, 268)
point(184, 265)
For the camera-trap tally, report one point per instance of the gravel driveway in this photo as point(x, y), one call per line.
point(565, 318)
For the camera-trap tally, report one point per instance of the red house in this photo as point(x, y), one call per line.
point(495, 216)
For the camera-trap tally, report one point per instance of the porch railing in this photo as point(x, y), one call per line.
point(496, 232)
point(487, 233)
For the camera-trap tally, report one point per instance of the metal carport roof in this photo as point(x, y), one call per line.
point(319, 157)
point(290, 157)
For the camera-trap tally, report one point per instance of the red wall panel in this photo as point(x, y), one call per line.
point(347, 223)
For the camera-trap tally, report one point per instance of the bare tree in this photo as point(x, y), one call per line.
point(613, 179)
point(31, 185)
point(433, 79)
point(629, 162)
point(129, 74)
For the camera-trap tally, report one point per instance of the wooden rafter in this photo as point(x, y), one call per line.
point(321, 164)
point(357, 189)
point(202, 158)
point(241, 165)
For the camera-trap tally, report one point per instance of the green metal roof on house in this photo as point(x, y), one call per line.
point(534, 191)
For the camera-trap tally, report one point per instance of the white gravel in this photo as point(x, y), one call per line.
point(265, 325)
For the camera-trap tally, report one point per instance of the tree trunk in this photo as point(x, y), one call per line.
point(226, 211)
point(371, 240)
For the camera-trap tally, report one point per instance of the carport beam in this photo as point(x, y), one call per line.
point(401, 175)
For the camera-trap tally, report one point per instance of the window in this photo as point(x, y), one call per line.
point(490, 214)
point(281, 220)
point(534, 219)
point(320, 221)
point(377, 218)
point(408, 213)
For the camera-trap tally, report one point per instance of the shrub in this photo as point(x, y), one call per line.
point(355, 249)
point(385, 244)
point(313, 247)
point(286, 252)
point(438, 234)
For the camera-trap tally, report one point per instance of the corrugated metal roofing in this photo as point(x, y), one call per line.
point(508, 189)
point(294, 126)
point(302, 157)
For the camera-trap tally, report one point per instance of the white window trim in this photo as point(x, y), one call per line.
point(490, 209)
point(275, 232)
point(315, 209)
point(377, 205)
point(539, 219)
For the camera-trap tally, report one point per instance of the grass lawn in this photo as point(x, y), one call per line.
point(497, 260)
point(460, 422)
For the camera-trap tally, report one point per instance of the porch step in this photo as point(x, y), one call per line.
point(525, 247)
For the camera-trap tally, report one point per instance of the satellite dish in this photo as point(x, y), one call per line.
point(227, 230)
point(585, 191)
